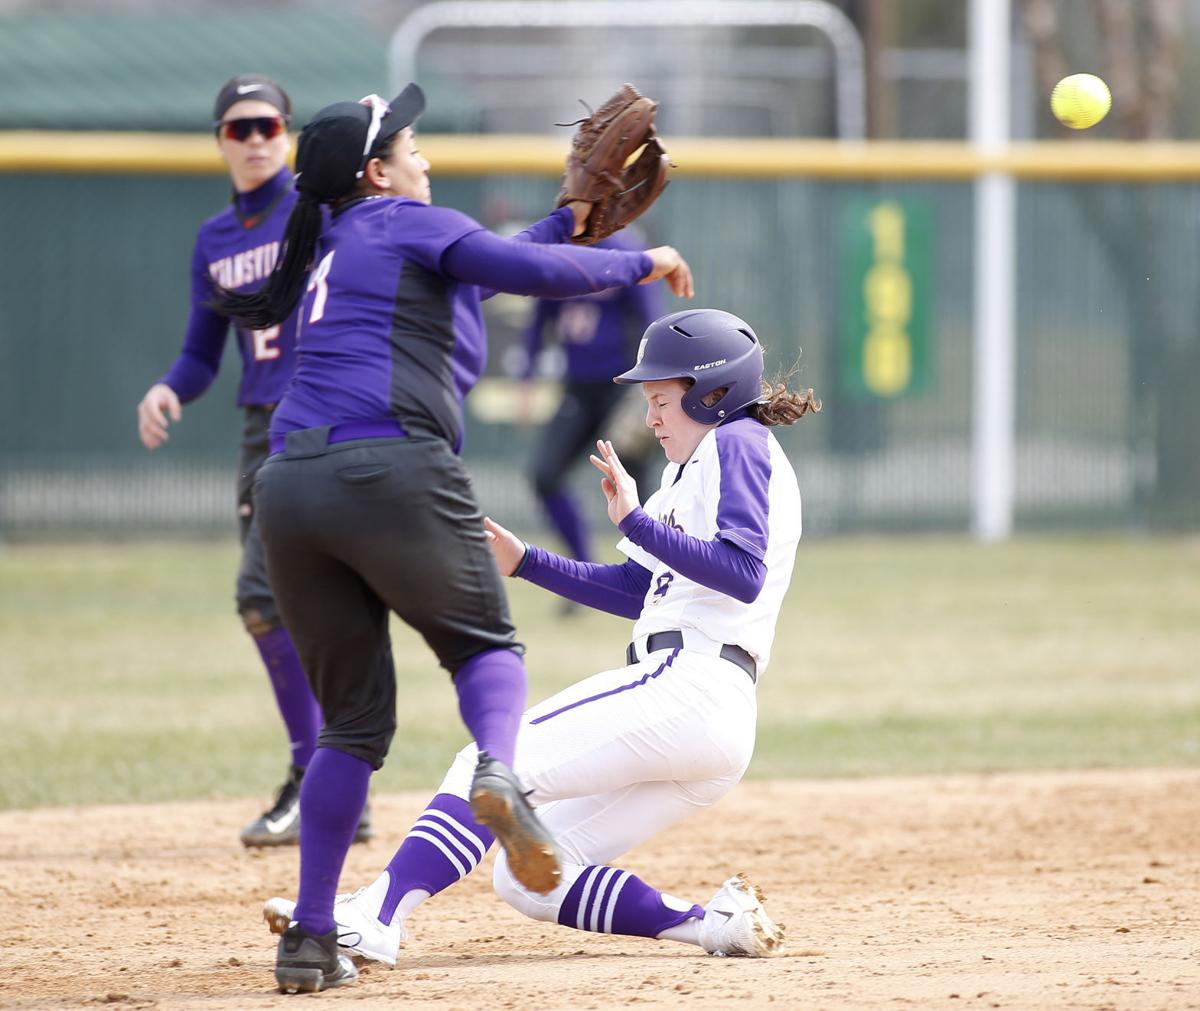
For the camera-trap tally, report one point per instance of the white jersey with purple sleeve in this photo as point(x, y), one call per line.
point(738, 487)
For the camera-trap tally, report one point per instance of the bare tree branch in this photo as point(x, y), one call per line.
point(1120, 46)
point(1162, 67)
point(1041, 25)
point(881, 88)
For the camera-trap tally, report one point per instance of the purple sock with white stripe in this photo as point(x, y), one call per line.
point(608, 900)
point(444, 845)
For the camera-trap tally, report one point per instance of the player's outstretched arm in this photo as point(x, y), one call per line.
point(159, 402)
point(615, 589)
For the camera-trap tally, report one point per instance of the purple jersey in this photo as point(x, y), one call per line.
point(237, 249)
point(391, 325)
point(598, 333)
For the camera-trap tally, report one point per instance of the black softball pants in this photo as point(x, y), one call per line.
point(255, 601)
point(356, 529)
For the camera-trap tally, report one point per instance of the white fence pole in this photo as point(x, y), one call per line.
point(993, 453)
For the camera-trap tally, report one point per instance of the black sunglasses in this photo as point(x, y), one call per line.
point(269, 127)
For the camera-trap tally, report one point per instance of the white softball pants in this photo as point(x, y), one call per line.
point(623, 754)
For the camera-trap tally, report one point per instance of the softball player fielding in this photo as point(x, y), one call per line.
point(623, 754)
point(364, 504)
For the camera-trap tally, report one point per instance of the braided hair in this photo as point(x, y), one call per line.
point(330, 172)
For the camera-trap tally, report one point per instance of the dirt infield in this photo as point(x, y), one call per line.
point(1047, 890)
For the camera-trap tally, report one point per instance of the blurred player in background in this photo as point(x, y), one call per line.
point(364, 504)
point(623, 754)
point(237, 249)
point(598, 335)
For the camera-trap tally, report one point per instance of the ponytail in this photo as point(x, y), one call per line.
point(276, 299)
point(780, 406)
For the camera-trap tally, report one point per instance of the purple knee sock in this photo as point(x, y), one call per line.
point(331, 799)
point(491, 697)
point(568, 520)
point(608, 900)
point(299, 709)
point(445, 844)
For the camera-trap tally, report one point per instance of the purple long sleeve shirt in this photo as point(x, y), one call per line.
point(391, 325)
point(621, 589)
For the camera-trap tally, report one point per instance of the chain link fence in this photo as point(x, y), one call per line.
point(95, 298)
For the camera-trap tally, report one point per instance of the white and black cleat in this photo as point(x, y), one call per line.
point(736, 924)
point(280, 825)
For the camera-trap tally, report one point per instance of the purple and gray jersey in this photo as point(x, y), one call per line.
point(237, 249)
point(598, 333)
point(391, 326)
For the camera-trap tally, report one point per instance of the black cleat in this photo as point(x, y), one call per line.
point(308, 963)
point(499, 803)
point(280, 826)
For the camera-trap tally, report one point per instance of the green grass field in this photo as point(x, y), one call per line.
point(127, 676)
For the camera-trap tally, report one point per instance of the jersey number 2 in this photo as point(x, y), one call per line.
point(264, 343)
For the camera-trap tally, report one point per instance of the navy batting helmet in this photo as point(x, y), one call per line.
point(709, 348)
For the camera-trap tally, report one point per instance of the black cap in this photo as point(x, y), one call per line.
point(250, 87)
point(337, 143)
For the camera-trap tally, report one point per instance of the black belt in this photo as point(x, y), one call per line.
point(674, 640)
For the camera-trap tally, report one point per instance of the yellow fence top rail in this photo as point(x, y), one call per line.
point(734, 158)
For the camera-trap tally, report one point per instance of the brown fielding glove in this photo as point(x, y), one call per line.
point(596, 169)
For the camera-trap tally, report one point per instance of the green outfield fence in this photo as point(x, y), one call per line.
point(860, 255)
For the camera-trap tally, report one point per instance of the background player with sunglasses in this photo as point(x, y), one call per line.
point(237, 249)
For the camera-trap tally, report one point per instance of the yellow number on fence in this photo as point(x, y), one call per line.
point(887, 292)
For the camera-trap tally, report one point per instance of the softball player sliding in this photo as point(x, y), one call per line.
point(627, 752)
point(237, 249)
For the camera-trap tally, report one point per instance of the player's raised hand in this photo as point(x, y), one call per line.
point(672, 267)
point(507, 548)
point(159, 402)
point(619, 488)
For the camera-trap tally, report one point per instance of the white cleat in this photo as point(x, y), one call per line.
point(735, 923)
point(356, 914)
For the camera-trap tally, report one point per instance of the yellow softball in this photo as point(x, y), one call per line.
point(1080, 101)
